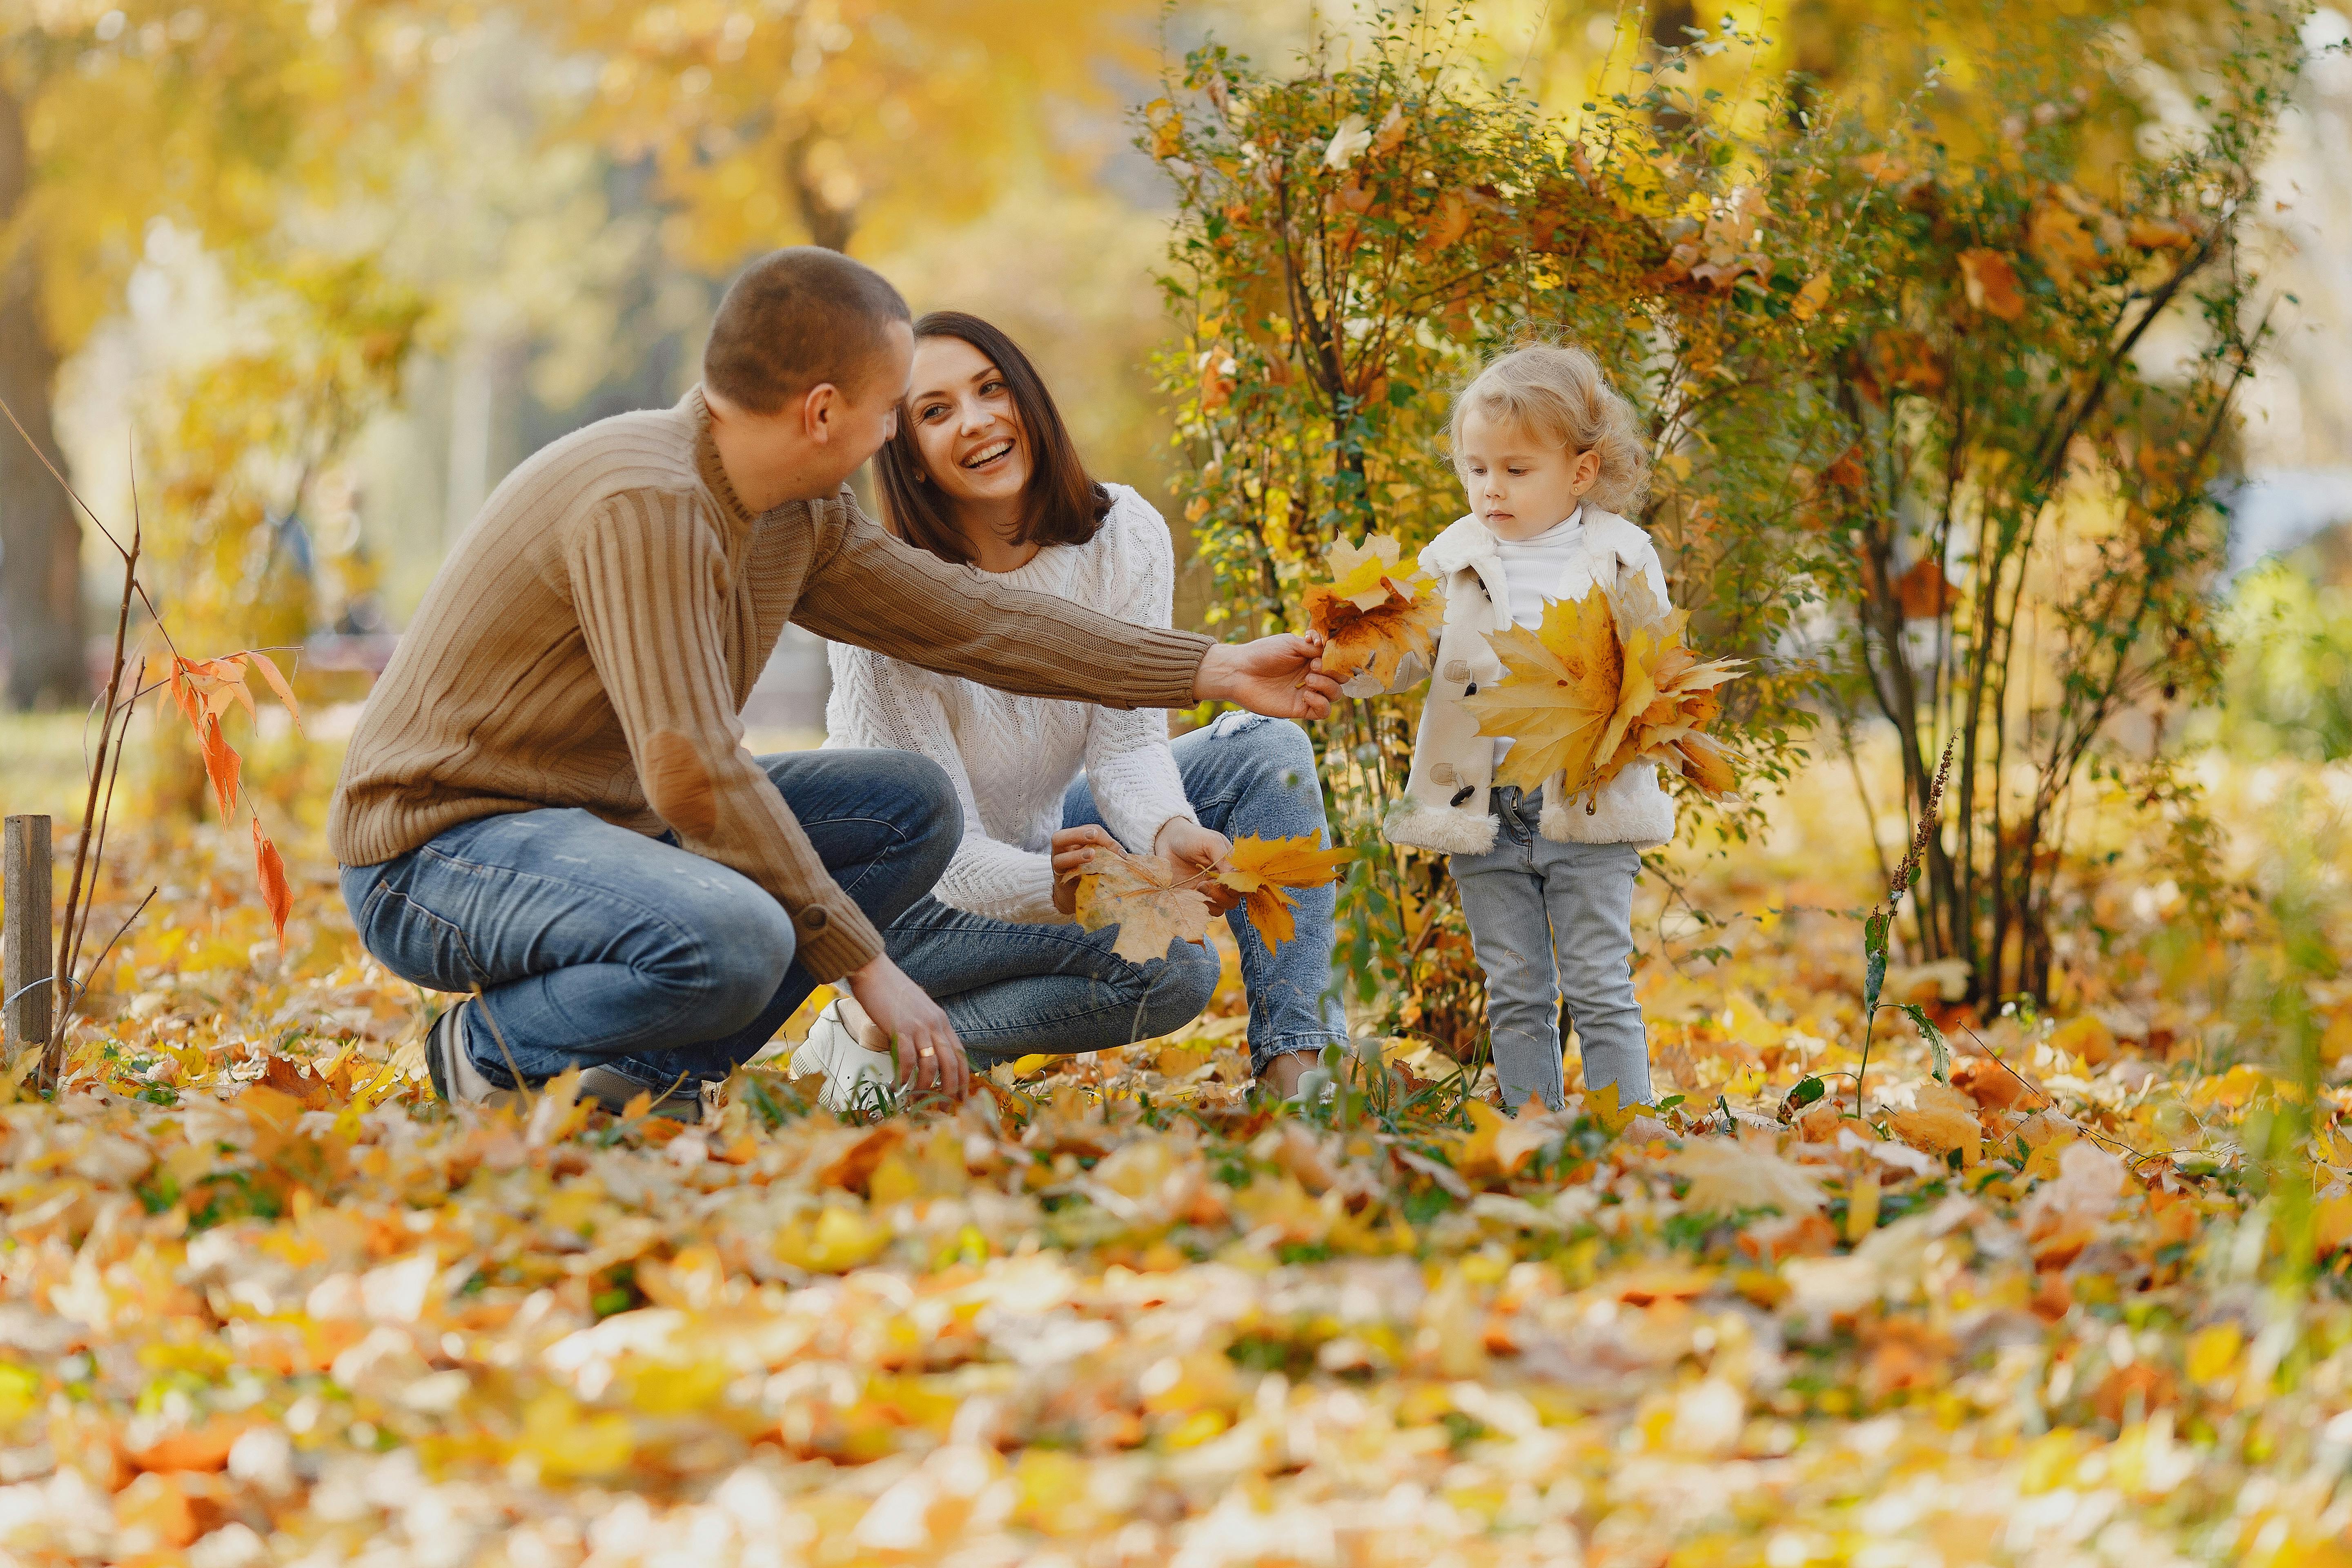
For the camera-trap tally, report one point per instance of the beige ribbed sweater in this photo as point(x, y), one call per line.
point(592, 640)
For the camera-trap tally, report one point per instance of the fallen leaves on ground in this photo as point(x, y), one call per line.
point(1372, 613)
point(1266, 870)
point(261, 1301)
point(1150, 902)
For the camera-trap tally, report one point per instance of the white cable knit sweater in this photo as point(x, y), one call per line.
point(1013, 757)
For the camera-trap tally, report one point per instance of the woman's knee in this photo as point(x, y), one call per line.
point(1282, 752)
point(916, 795)
point(1180, 991)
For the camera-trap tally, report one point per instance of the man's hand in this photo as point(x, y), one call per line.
point(1194, 851)
point(916, 1028)
point(1073, 850)
point(1275, 675)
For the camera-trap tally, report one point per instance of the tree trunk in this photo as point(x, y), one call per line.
point(828, 225)
point(40, 538)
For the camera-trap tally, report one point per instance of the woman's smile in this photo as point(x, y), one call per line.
point(990, 456)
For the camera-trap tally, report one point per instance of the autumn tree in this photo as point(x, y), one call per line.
point(772, 123)
point(111, 118)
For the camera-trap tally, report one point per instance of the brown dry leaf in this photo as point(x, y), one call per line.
point(1145, 897)
point(1266, 868)
point(1372, 613)
point(1729, 1174)
point(1941, 1120)
point(1924, 592)
point(2070, 234)
point(1449, 223)
point(1992, 283)
point(1559, 691)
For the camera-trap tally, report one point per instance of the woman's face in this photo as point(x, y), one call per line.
point(965, 424)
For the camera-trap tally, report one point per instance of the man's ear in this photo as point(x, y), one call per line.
point(817, 409)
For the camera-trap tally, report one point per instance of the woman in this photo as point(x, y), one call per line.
point(983, 472)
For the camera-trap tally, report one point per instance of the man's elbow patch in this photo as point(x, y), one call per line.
point(678, 785)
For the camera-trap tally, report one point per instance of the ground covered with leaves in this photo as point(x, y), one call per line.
point(262, 1301)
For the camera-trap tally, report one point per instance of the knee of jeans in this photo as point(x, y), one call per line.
point(1283, 752)
point(746, 944)
point(1180, 990)
point(924, 805)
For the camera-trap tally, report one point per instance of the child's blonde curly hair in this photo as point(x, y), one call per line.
point(1556, 392)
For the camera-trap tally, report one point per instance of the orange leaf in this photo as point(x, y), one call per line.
point(1261, 869)
point(221, 766)
point(269, 672)
point(276, 896)
point(1450, 222)
point(1992, 283)
point(1371, 613)
point(1924, 592)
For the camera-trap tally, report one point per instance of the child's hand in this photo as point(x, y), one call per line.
point(1073, 850)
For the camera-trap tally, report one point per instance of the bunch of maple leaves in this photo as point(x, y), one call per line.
point(1605, 679)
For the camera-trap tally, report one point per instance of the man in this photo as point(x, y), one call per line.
point(547, 802)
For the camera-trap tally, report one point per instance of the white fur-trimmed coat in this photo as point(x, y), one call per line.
point(1444, 805)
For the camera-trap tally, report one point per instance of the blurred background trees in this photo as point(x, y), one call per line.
point(331, 270)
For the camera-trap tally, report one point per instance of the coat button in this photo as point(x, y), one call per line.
point(1457, 669)
point(813, 918)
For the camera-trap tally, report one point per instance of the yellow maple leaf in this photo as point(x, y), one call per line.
point(1145, 897)
point(1264, 869)
point(1560, 689)
point(1371, 614)
point(1603, 1106)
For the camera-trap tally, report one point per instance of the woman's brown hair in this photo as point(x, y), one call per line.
point(1065, 505)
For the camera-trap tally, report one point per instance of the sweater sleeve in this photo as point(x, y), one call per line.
point(1129, 766)
point(648, 583)
point(871, 590)
point(877, 701)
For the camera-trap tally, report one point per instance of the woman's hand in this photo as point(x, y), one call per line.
point(1073, 850)
point(1276, 675)
point(1194, 851)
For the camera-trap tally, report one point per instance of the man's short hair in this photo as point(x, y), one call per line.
point(798, 318)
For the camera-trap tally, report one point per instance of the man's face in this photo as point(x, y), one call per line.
point(861, 417)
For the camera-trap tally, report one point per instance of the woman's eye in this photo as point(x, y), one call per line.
point(993, 389)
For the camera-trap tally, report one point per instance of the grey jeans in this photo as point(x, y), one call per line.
point(1553, 922)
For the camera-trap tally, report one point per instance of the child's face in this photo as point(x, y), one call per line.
point(1518, 485)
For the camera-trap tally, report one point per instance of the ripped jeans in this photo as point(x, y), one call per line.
point(593, 944)
point(1012, 988)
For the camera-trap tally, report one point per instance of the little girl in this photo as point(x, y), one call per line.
point(1549, 456)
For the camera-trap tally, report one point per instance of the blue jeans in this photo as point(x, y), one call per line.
point(593, 944)
point(1013, 988)
point(1552, 922)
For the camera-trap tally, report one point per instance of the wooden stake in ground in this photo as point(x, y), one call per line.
point(24, 957)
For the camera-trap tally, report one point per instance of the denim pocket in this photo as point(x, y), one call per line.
point(416, 944)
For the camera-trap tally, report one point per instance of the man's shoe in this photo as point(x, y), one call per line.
point(855, 1079)
point(456, 1079)
point(613, 1090)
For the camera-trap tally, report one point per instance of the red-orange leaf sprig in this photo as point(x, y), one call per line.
point(205, 689)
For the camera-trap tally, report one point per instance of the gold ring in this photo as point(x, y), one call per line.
point(925, 1051)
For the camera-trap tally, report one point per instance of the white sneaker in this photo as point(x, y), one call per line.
point(848, 1068)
